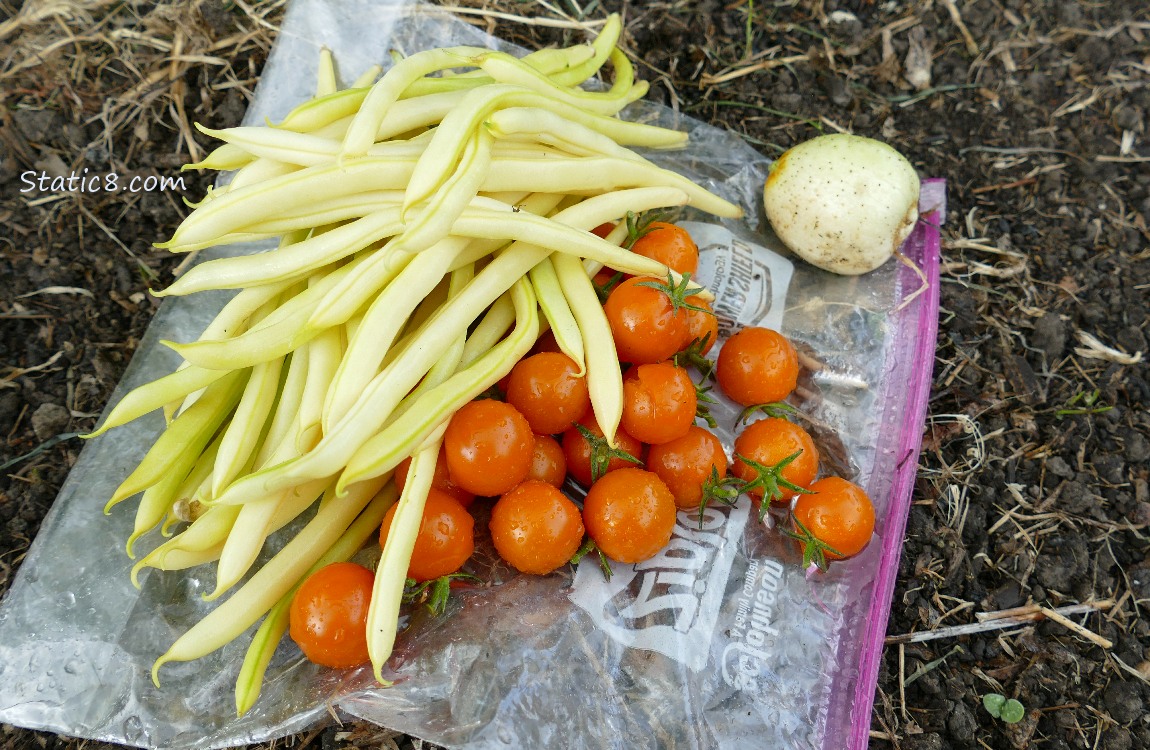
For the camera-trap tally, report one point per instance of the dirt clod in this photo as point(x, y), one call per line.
point(1123, 701)
point(49, 420)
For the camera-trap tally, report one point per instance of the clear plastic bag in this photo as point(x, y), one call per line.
point(721, 641)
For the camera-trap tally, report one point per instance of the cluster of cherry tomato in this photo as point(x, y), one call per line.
point(521, 444)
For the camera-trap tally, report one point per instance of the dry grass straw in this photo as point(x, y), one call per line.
point(130, 68)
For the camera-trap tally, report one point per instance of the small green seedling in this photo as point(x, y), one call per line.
point(1083, 403)
point(1001, 707)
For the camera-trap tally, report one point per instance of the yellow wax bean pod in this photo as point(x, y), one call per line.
point(209, 531)
point(282, 146)
point(449, 362)
point(197, 484)
point(230, 325)
point(281, 332)
point(604, 378)
point(325, 352)
point(383, 322)
point(329, 214)
point(290, 263)
point(429, 222)
point(165, 496)
point(222, 159)
point(391, 573)
point(373, 277)
point(252, 527)
point(487, 220)
point(427, 308)
point(489, 331)
point(556, 131)
point(424, 413)
point(257, 320)
point(281, 432)
point(267, 585)
point(547, 61)
point(387, 90)
point(300, 149)
point(154, 395)
point(186, 474)
point(241, 437)
point(325, 82)
point(442, 155)
point(478, 249)
point(256, 173)
point(176, 559)
point(189, 431)
point(158, 499)
point(367, 77)
point(592, 175)
point(557, 235)
point(602, 47)
point(558, 311)
point(272, 629)
point(243, 309)
point(509, 70)
point(242, 210)
point(324, 110)
point(413, 115)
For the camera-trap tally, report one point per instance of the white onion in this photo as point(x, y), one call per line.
point(844, 203)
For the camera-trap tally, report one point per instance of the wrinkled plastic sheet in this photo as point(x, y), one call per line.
point(720, 641)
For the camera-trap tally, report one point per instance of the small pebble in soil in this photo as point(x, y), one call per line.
point(49, 420)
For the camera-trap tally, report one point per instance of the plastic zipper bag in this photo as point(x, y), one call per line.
point(722, 640)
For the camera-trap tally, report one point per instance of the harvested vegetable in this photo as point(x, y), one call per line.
point(629, 514)
point(842, 202)
point(659, 402)
point(688, 463)
point(776, 458)
point(429, 229)
point(757, 366)
point(834, 520)
point(446, 537)
point(536, 528)
point(328, 615)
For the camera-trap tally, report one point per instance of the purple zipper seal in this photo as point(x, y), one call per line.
point(921, 349)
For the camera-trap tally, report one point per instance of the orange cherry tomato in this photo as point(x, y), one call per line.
point(685, 464)
point(441, 480)
point(645, 326)
point(671, 245)
point(488, 445)
point(578, 451)
point(535, 528)
point(445, 540)
point(548, 464)
point(606, 280)
point(548, 390)
point(757, 366)
point(630, 514)
point(701, 326)
point(768, 442)
point(603, 230)
point(839, 514)
point(658, 402)
point(328, 615)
